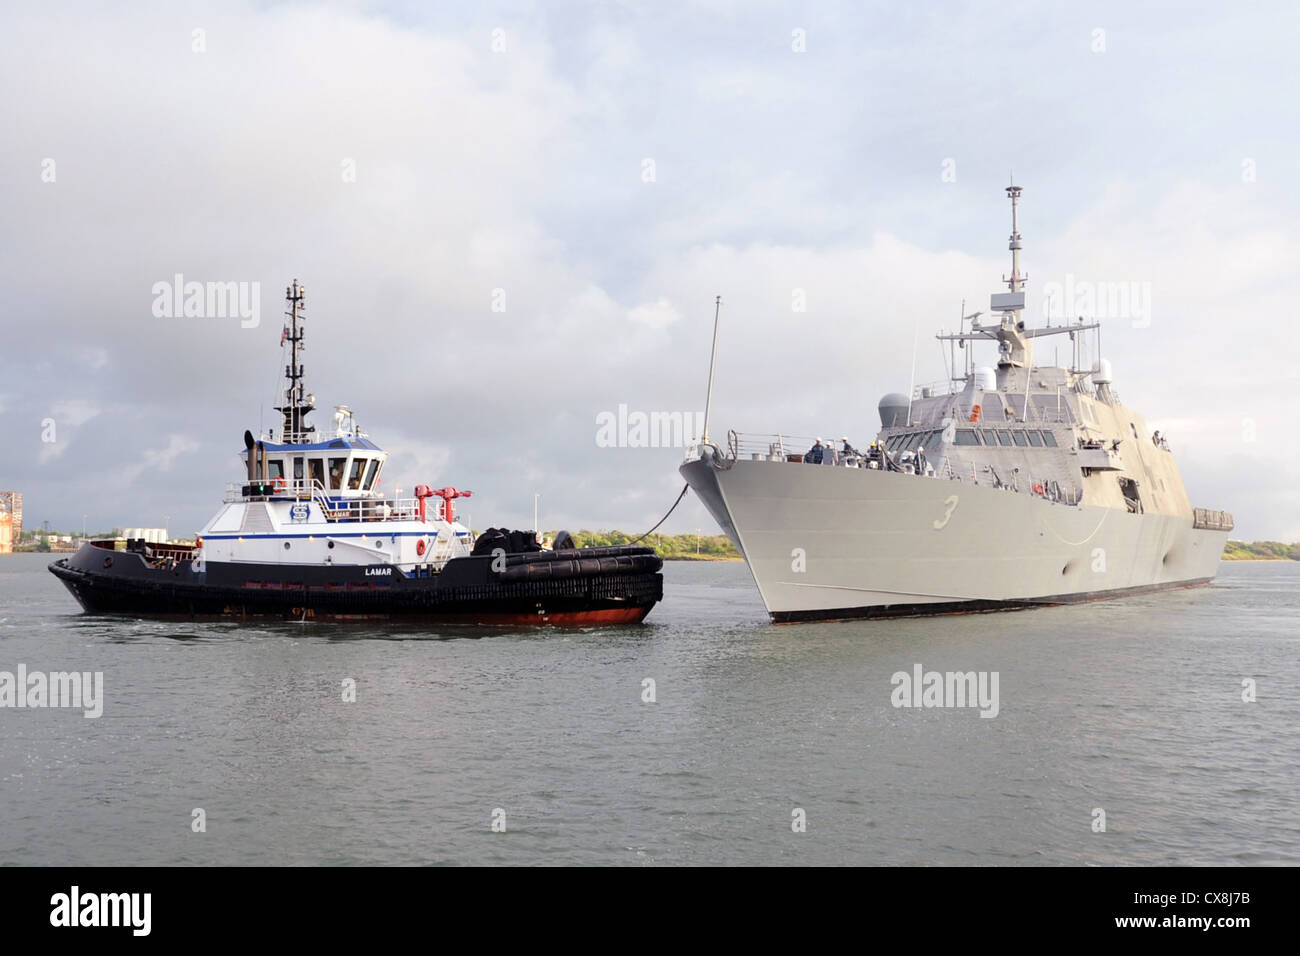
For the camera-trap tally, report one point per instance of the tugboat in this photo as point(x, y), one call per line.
point(1012, 485)
point(308, 534)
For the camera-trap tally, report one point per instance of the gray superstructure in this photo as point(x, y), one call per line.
point(1012, 485)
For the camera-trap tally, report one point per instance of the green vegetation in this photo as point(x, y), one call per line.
point(671, 547)
point(1261, 551)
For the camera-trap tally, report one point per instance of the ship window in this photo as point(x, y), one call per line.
point(1036, 438)
point(297, 469)
point(1049, 439)
point(1004, 436)
point(316, 468)
point(275, 468)
point(370, 474)
point(989, 436)
point(966, 436)
point(354, 479)
point(1019, 438)
point(336, 473)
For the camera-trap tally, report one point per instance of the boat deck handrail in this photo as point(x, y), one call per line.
point(335, 506)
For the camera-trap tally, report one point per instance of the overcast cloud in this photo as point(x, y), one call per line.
point(865, 173)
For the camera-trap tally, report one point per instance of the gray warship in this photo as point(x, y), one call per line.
point(1013, 485)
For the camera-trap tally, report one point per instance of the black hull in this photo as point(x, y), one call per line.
point(877, 612)
point(580, 587)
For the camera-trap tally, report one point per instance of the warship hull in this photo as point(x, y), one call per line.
point(579, 587)
point(839, 543)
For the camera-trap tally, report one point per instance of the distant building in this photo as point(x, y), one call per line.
point(152, 535)
point(12, 502)
point(6, 533)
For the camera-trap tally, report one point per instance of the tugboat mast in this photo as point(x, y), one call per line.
point(296, 406)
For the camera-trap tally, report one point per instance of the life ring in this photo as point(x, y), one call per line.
point(975, 413)
point(1038, 489)
point(278, 484)
point(419, 547)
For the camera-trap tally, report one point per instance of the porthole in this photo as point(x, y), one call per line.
point(330, 545)
point(286, 546)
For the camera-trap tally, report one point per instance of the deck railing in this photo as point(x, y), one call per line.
point(334, 506)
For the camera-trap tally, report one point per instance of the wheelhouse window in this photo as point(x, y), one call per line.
point(1019, 438)
point(297, 469)
point(966, 436)
point(275, 468)
point(1035, 438)
point(370, 474)
point(1049, 439)
point(337, 465)
point(316, 469)
point(354, 479)
point(989, 436)
point(1004, 437)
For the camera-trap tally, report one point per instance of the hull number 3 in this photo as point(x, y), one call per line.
point(950, 505)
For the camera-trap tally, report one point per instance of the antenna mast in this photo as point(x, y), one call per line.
point(713, 359)
point(1016, 282)
point(296, 405)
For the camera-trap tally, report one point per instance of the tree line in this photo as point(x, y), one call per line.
point(1261, 550)
point(689, 546)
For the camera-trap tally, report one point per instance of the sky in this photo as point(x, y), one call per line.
point(513, 219)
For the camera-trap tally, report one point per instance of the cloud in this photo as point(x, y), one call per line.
point(656, 315)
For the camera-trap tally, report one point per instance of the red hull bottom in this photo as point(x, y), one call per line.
point(615, 615)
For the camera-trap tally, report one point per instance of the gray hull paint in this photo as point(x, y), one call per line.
point(842, 542)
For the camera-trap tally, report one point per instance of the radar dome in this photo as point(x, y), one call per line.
point(893, 410)
point(986, 379)
point(1103, 375)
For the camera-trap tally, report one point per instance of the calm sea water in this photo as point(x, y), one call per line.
point(1134, 707)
